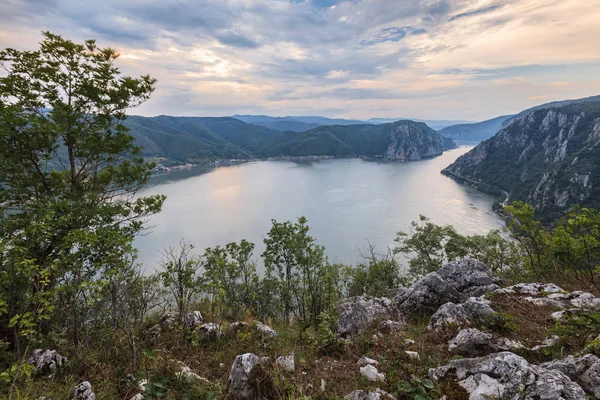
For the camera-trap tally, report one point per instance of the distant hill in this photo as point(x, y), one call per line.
point(305, 123)
point(548, 157)
point(475, 132)
point(179, 140)
point(554, 104)
point(434, 124)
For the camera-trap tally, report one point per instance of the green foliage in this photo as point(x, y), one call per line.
point(418, 389)
point(579, 329)
point(377, 276)
point(501, 323)
point(304, 283)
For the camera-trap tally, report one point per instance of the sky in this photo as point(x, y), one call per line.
point(426, 59)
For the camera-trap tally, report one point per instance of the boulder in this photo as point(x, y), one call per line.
point(473, 343)
point(364, 360)
point(265, 330)
point(532, 289)
point(239, 386)
point(378, 394)
point(455, 282)
point(209, 331)
point(584, 370)
point(286, 363)
point(507, 376)
point(46, 361)
point(357, 313)
point(372, 374)
point(138, 396)
point(552, 295)
point(470, 312)
point(83, 391)
point(192, 319)
point(413, 355)
point(167, 319)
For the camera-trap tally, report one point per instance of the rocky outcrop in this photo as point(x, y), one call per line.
point(192, 319)
point(357, 313)
point(411, 141)
point(210, 331)
point(454, 282)
point(46, 362)
point(83, 391)
point(584, 370)
point(507, 376)
point(544, 157)
point(286, 363)
point(552, 295)
point(473, 343)
point(371, 373)
point(471, 312)
point(239, 386)
point(265, 330)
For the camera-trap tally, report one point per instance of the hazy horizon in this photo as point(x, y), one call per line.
point(469, 60)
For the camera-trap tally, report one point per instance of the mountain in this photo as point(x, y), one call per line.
point(555, 104)
point(402, 140)
point(179, 140)
point(475, 132)
point(434, 124)
point(305, 123)
point(548, 157)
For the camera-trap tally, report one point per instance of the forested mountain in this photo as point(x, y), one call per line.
point(554, 104)
point(475, 132)
point(177, 140)
point(549, 158)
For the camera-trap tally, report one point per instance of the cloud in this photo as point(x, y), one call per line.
point(467, 59)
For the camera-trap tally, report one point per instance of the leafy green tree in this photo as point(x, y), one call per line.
point(576, 245)
point(377, 276)
point(181, 275)
point(230, 277)
point(69, 176)
point(304, 283)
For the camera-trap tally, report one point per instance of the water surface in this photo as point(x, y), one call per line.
point(348, 203)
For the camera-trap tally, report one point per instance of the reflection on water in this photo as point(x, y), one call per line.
point(347, 202)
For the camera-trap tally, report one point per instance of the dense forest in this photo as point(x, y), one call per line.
point(79, 320)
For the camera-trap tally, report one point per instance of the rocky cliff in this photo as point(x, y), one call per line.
point(411, 141)
point(549, 158)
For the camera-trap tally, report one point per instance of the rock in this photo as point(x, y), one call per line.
point(551, 385)
point(357, 313)
point(286, 363)
point(391, 326)
point(584, 370)
point(455, 282)
point(364, 360)
point(378, 394)
point(167, 319)
point(142, 385)
point(563, 315)
point(239, 385)
point(192, 319)
point(371, 373)
point(239, 326)
point(470, 312)
point(473, 343)
point(548, 342)
point(83, 391)
point(413, 355)
point(409, 342)
point(46, 361)
point(323, 385)
point(532, 289)
point(209, 331)
point(265, 330)
point(584, 300)
point(185, 373)
point(507, 376)
point(138, 396)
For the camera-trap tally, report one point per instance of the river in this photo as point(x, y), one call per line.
point(348, 203)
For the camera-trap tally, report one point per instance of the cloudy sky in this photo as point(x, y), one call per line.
point(429, 59)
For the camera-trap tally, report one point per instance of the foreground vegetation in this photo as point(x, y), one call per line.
point(69, 175)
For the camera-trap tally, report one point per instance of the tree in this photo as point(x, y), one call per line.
point(377, 275)
point(182, 275)
point(296, 267)
point(69, 176)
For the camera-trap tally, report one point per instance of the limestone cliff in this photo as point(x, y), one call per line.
point(549, 158)
point(411, 141)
